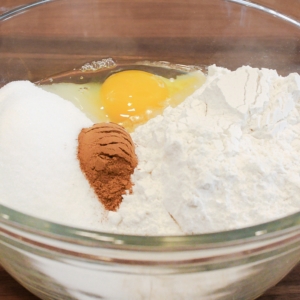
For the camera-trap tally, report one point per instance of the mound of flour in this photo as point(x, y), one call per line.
point(227, 157)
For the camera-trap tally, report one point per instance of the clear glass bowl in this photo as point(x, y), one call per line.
point(59, 262)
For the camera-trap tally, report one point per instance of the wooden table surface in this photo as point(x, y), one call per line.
point(288, 288)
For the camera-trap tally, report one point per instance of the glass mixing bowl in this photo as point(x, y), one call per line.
point(59, 262)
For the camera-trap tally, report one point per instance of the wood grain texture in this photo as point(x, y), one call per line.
point(289, 287)
point(42, 42)
point(11, 289)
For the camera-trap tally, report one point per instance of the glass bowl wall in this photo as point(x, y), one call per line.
point(59, 262)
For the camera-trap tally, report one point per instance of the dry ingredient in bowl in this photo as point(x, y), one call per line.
point(227, 157)
point(106, 156)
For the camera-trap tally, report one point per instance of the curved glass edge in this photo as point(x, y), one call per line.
point(20, 9)
point(26, 223)
point(25, 7)
point(267, 10)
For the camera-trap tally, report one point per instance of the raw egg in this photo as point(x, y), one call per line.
point(130, 94)
point(130, 97)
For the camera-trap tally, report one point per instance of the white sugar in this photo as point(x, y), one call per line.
point(40, 174)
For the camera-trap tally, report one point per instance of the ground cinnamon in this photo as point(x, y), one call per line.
point(107, 158)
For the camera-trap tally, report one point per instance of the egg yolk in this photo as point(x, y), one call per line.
point(132, 94)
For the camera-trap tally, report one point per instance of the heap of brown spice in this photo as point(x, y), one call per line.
point(107, 158)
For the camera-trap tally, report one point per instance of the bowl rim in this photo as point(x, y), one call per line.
point(10, 218)
point(22, 8)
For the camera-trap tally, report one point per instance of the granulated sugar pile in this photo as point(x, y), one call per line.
point(40, 174)
point(227, 157)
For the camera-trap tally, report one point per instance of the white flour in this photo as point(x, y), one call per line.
point(227, 157)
